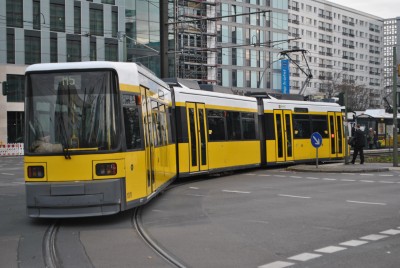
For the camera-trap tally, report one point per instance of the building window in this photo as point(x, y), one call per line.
point(16, 88)
point(14, 13)
point(77, 17)
point(36, 14)
point(57, 16)
point(93, 49)
point(96, 20)
point(10, 45)
point(110, 2)
point(114, 22)
point(53, 47)
point(73, 48)
point(111, 50)
point(15, 127)
point(32, 47)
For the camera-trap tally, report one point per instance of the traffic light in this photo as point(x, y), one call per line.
point(5, 88)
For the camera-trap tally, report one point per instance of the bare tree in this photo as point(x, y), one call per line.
point(358, 96)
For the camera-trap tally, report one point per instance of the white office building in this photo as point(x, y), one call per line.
point(343, 46)
point(391, 39)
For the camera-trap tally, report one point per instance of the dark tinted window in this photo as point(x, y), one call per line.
point(249, 126)
point(216, 125)
point(320, 125)
point(301, 126)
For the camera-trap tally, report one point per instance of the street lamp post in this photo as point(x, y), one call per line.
point(395, 141)
point(346, 127)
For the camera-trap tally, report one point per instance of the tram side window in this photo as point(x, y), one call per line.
point(132, 123)
point(233, 125)
point(216, 125)
point(301, 126)
point(249, 126)
point(162, 124)
point(159, 123)
point(269, 127)
point(320, 125)
point(170, 126)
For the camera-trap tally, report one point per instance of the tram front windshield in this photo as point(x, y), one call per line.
point(71, 112)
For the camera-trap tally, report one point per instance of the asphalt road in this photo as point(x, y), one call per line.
point(274, 218)
point(266, 218)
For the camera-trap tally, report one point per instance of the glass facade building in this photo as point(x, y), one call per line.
point(250, 43)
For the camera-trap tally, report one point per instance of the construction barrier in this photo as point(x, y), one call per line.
point(11, 149)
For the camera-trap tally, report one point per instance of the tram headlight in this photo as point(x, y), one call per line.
point(35, 172)
point(106, 169)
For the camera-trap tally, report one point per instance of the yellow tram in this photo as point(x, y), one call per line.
point(103, 137)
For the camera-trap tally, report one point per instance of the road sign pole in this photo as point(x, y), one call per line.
point(316, 141)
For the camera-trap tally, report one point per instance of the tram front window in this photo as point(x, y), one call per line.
point(71, 112)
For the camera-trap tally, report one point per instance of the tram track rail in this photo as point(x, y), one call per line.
point(49, 250)
point(163, 253)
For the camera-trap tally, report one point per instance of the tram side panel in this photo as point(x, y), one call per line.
point(233, 139)
point(213, 138)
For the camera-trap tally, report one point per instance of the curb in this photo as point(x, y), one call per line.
point(337, 169)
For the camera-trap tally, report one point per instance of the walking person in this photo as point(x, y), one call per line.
point(359, 144)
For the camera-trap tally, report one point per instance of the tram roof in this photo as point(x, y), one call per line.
point(127, 71)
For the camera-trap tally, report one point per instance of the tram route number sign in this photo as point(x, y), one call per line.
point(316, 141)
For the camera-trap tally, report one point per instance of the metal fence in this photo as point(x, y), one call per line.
point(11, 149)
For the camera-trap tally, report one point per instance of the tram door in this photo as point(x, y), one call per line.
point(197, 130)
point(284, 135)
point(335, 134)
point(148, 138)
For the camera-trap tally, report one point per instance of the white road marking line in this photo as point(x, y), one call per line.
point(277, 264)
point(387, 182)
point(330, 249)
point(366, 174)
point(250, 174)
point(352, 174)
point(281, 176)
point(238, 192)
point(387, 175)
point(305, 257)
point(353, 243)
point(312, 178)
point(296, 177)
point(347, 180)
point(391, 232)
point(368, 203)
point(198, 195)
point(264, 175)
point(194, 188)
point(366, 181)
point(328, 179)
point(373, 237)
point(295, 196)
point(10, 174)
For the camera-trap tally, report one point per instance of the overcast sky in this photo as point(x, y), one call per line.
point(381, 8)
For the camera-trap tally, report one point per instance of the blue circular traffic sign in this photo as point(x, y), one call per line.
point(316, 139)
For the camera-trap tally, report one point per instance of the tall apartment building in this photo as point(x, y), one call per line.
point(391, 39)
point(343, 44)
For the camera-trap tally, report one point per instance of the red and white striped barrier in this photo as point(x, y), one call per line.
point(11, 149)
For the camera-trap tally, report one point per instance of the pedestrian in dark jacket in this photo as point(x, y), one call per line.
point(359, 145)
